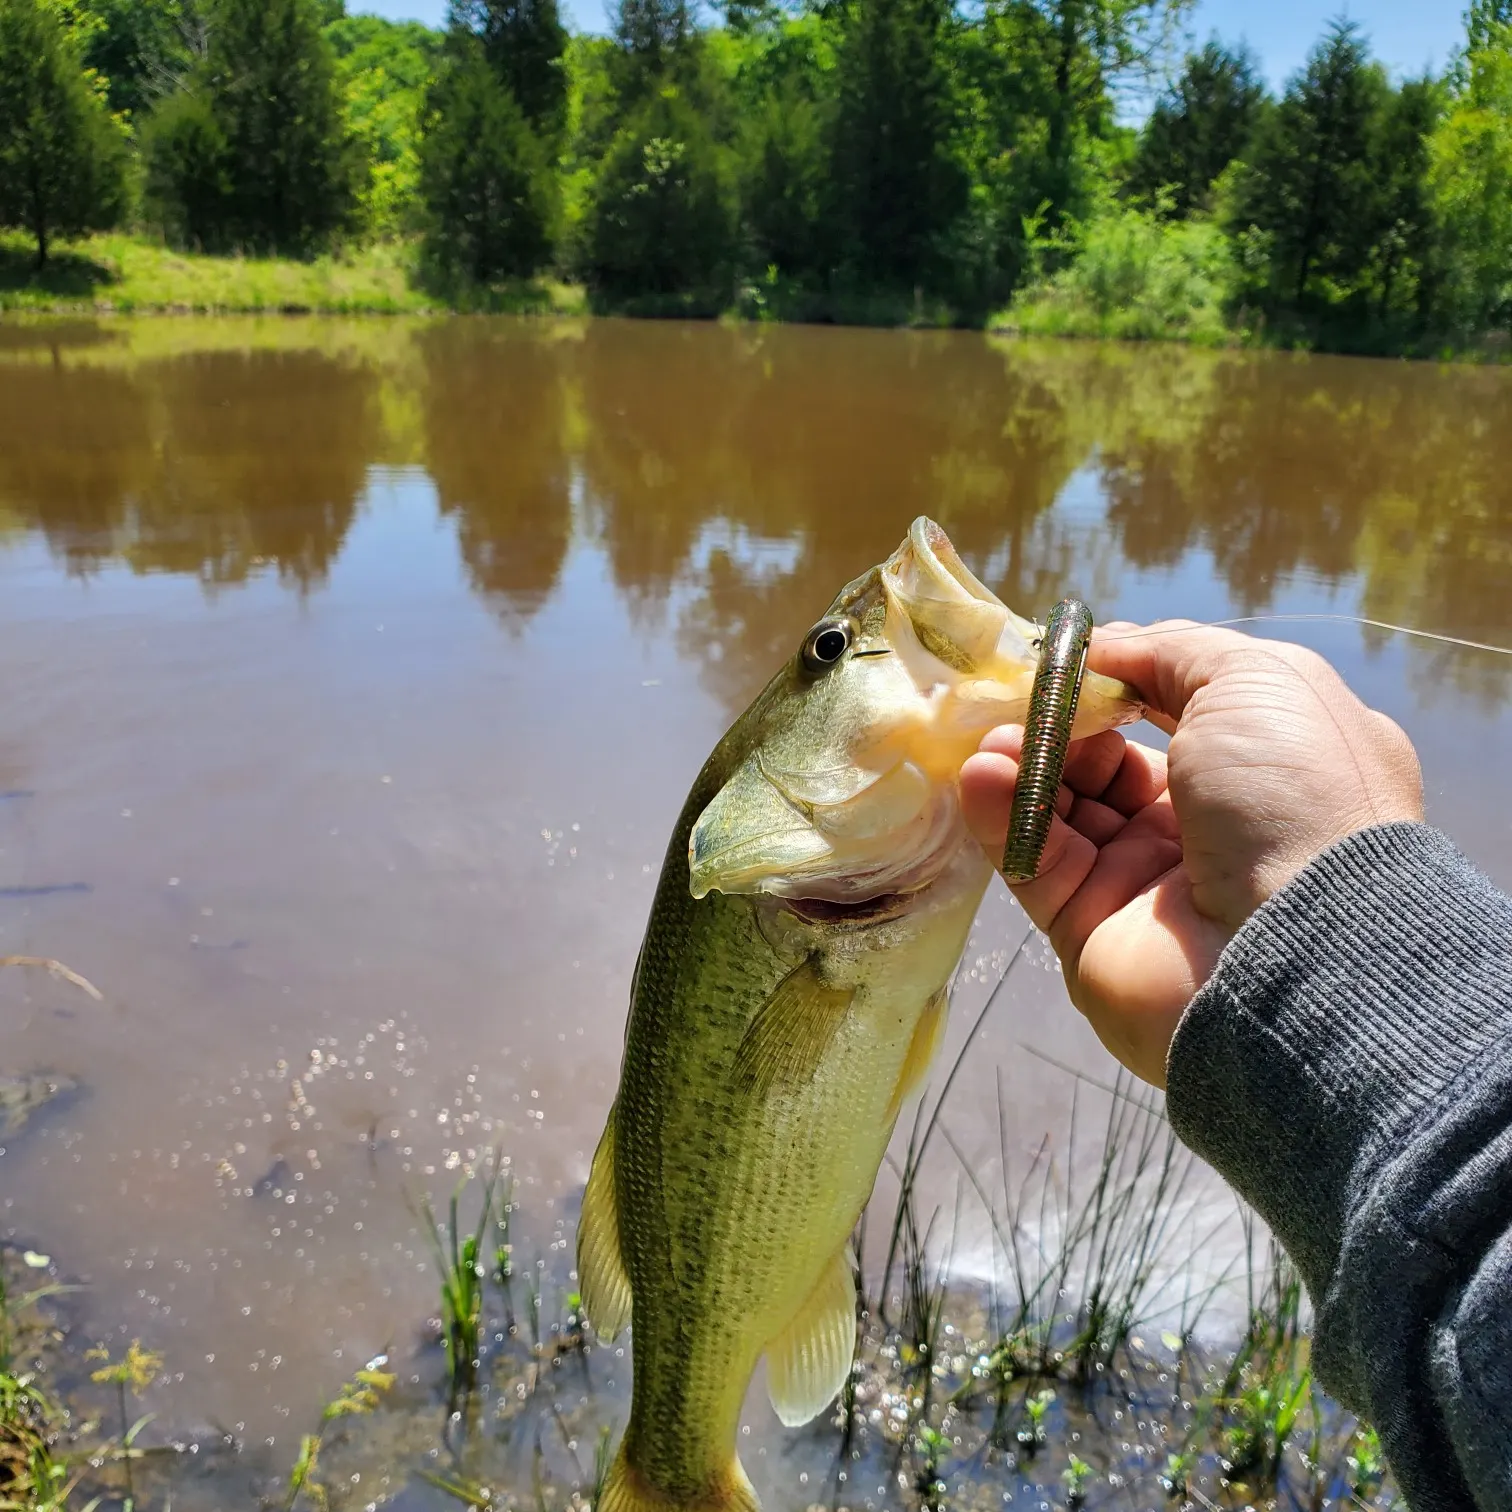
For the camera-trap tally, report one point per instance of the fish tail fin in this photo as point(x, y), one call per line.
point(627, 1490)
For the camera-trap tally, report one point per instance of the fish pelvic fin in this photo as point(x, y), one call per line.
point(627, 1490)
point(807, 1363)
point(788, 1038)
point(601, 1269)
point(922, 1049)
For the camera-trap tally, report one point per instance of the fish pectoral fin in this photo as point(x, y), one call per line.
point(922, 1048)
point(601, 1270)
point(807, 1363)
point(787, 1039)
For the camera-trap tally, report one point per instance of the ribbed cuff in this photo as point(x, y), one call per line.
point(1344, 1010)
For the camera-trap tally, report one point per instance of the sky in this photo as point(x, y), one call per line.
point(1406, 35)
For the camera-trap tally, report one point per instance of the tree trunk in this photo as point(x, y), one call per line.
point(1060, 119)
point(41, 234)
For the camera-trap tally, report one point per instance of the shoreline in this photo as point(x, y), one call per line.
point(145, 278)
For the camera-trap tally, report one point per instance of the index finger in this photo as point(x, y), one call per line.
point(1167, 661)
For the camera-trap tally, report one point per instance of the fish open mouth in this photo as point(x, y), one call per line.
point(858, 911)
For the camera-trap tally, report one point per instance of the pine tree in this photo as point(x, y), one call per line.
point(654, 37)
point(523, 42)
point(896, 180)
point(1311, 185)
point(661, 222)
point(62, 159)
point(271, 85)
point(487, 184)
point(1199, 127)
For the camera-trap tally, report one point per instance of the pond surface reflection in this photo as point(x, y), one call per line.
point(355, 672)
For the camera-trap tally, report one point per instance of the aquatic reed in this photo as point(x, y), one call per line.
point(459, 1262)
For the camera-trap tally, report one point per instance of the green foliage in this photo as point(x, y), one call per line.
point(384, 69)
point(1132, 274)
point(287, 166)
point(1198, 128)
point(141, 48)
point(489, 194)
point(1469, 181)
point(62, 158)
point(524, 42)
point(654, 40)
point(898, 185)
point(188, 170)
point(1485, 22)
point(1311, 187)
point(871, 160)
point(784, 176)
point(272, 82)
point(661, 224)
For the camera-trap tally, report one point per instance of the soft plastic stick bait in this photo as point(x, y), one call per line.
point(1047, 735)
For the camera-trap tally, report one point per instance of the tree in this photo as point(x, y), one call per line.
point(1082, 48)
point(897, 183)
point(1310, 187)
point(1470, 186)
point(141, 48)
point(384, 69)
point(62, 159)
point(524, 42)
point(661, 222)
point(1202, 123)
point(188, 184)
point(654, 36)
point(1483, 22)
point(270, 82)
point(784, 180)
point(1406, 269)
point(487, 186)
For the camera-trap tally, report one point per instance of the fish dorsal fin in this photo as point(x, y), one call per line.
point(785, 1042)
point(922, 1049)
point(601, 1270)
point(807, 1363)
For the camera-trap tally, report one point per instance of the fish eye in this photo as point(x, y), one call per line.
point(826, 643)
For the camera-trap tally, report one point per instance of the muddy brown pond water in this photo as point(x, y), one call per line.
point(354, 672)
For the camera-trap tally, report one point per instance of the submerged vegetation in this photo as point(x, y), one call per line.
point(1094, 1363)
point(1114, 1390)
point(879, 161)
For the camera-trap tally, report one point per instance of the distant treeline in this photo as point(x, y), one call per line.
point(844, 159)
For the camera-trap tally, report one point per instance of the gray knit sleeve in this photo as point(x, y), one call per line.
point(1348, 1068)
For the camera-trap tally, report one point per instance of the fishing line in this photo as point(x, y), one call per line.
point(1322, 618)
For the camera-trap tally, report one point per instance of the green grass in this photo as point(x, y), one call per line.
point(128, 274)
point(461, 1264)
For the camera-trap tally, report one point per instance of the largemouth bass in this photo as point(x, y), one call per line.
point(789, 996)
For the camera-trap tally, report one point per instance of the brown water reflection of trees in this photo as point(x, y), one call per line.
point(829, 441)
point(215, 464)
point(1396, 475)
point(736, 477)
point(497, 450)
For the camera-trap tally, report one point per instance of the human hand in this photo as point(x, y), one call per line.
point(1156, 859)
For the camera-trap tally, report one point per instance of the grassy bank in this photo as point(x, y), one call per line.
point(1126, 277)
point(128, 274)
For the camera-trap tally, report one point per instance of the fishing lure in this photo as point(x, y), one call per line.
point(1047, 735)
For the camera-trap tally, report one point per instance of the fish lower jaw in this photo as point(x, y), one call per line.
point(897, 891)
